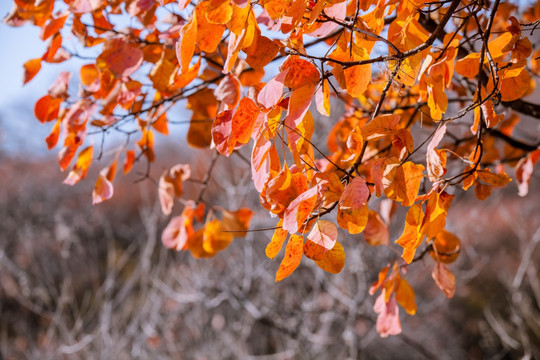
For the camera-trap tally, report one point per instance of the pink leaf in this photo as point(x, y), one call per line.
point(299, 210)
point(228, 91)
point(388, 322)
point(103, 190)
point(272, 91)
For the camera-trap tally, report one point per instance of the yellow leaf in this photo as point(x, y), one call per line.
point(405, 296)
point(292, 258)
point(412, 236)
point(333, 261)
point(215, 237)
point(406, 183)
point(273, 248)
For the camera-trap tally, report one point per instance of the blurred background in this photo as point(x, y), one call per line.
point(85, 282)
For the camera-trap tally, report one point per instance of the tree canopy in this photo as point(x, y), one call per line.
point(423, 100)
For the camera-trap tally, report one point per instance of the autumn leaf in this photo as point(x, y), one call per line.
point(353, 212)
point(320, 240)
point(299, 210)
point(31, 68)
point(388, 322)
point(273, 248)
point(81, 167)
point(446, 247)
point(216, 237)
point(412, 236)
point(376, 232)
point(406, 183)
point(381, 126)
point(237, 221)
point(444, 279)
point(292, 258)
point(333, 261)
point(170, 186)
point(47, 108)
point(120, 57)
point(436, 212)
point(103, 189)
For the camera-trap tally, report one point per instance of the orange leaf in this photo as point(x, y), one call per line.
point(243, 121)
point(321, 239)
point(237, 221)
point(353, 212)
point(208, 34)
point(299, 103)
point(468, 66)
point(273, 248)
point(81, 166)
point(221, 132)
point(103, 190)
point(204, 106)
point(333, 260)
point(412, 237)
point(376, 232)
point(186, 46)
point(178, 231)
point(120, 57)
point(46, 108)
point(271, 93)
point(436, 211)
point(170, 186)
point(215, 237)
point(262, 51)
point(383, 172)
point(388, 322)
point(524, 171)
point(405, 296)
point(322, 98)
point(514, 83)
point(493, 179)
point(299, 210)
point(381, 126)
point(301, 72)
point(160, 124)
point(52, 139)
point(128, 163)
point(446, 247)
point(66, 155)
point(406, 183)
point(31, 68)
point(292, 258)
point(54, 25)
point(444, 279)
point(218, 11)
point(357, 77)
